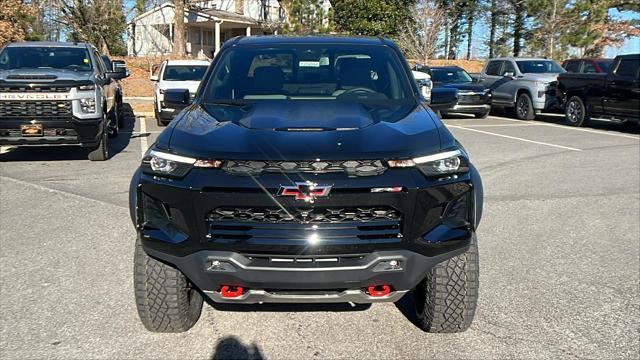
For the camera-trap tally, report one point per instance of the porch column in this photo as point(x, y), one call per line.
point(248, 30)
point(217, 35)
point(202, 38)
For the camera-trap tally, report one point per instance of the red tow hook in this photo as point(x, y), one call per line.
point(379, 290)
point(228, 291)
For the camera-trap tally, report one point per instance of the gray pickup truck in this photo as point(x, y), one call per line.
point(58, 93)
point(522, 86)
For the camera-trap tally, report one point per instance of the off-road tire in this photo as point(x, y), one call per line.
point(524, 107)
point(446, 299)
point(575, 113)
point(165, 300)
point(100, 152)
point(481, 115)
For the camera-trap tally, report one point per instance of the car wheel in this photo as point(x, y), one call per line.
point(481, 115)
point(100, 152)
point(445, 301)
point(165, 299)
point(575, 112)
point(524, 107)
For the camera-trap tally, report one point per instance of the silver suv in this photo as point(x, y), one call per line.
point(523, 86)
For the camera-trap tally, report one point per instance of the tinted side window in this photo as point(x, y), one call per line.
point(628, 67)
point(508, 68)
point(572, 66)
point(99, 63)
point(589, 68)
point(494, 67)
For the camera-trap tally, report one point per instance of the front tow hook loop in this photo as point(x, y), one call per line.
point(231, 291)
point(379, 290)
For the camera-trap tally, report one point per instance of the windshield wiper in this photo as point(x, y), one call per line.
point(230, 102)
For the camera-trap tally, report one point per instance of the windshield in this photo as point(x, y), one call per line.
point(316, 72)
point(184, 72)
point(27, 57)
point(539, 67)
point(450, 76)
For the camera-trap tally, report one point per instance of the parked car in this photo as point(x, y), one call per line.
point(175, 74)
point(611, 96)
point(523, 86)
point(325, 183)
point(473, 98)
point(57, 93)
point(587, 65)
point(445, 98)
point(117, 65)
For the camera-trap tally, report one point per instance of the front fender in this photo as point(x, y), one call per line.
point(133, 196)
point(478, 192)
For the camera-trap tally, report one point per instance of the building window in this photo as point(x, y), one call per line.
point(208, 37)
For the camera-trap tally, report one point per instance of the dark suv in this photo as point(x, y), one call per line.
point(307, 169)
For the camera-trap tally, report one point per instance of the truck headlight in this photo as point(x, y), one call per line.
point(448, 162)
point(166, 164)
point(88, 105)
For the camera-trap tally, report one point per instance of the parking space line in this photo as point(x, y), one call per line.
point(143, 138)
point(499, 125)
point(576, 128)
point(516, 138)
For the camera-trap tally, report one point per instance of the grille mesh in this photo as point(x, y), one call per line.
point(55, 108)
point(327, 215)
point(350, 167)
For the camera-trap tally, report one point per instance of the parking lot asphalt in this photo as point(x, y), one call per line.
point(559, 259)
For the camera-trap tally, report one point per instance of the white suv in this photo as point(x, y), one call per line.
point(175, 74)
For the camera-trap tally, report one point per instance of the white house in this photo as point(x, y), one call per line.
point(207, 25)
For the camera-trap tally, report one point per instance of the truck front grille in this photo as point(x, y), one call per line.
point(471, 99)
point(352, 225)
point(22, 109)
point(350, 167)
point(36, 88)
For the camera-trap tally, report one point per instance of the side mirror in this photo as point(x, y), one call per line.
point(509, 74)
point(425, 88)
point(115, 75)
point(177, 99)
point(120, 66)
point(443, 98)
point(153, 78)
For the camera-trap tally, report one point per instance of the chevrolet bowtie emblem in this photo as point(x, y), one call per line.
point(307, 191)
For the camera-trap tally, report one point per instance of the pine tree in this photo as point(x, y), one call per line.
point(305, 16)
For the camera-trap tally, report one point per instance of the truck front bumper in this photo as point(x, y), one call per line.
point(56, 131)
point(300, 279)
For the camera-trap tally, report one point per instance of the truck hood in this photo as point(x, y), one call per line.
point(304, 131)
point(46, 74)
point(192, 86)
point(547, 77)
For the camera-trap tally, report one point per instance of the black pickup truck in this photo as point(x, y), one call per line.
point(612, 96)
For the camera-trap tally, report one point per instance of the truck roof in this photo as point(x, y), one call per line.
point(188, 62)
point(520, 58)
point(47, 44)
point(315, 39)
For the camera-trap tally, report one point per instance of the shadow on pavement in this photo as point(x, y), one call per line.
point(407, 308)
point(231, 348)
point(286, 307)
point(72, 152)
